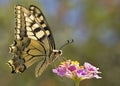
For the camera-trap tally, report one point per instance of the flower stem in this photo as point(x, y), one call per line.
point(77, 82)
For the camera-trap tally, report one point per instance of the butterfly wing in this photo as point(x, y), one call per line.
point(32, 41)
point(42, 21)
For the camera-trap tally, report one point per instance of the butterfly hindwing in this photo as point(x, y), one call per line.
point(34, 30)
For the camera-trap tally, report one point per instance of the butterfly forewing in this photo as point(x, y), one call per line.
point(42, 21)
point(34, 30)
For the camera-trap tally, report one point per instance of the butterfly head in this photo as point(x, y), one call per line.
point(57, 52)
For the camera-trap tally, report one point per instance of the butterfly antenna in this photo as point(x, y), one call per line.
point(67, 43)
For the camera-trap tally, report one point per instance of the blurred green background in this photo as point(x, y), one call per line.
point(93, 24)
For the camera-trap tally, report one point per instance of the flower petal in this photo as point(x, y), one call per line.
point(60, 71)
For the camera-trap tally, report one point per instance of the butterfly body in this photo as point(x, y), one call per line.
point(33, 41)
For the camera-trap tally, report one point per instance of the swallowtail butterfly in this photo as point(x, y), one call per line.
point(33, 41)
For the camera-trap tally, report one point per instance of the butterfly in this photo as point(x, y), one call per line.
point(33, 41)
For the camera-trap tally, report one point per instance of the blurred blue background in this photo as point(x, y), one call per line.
point(93, 24)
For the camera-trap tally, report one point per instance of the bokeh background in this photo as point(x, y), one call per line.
point(93, 24)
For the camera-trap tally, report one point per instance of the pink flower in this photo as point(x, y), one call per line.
point(72, 69)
